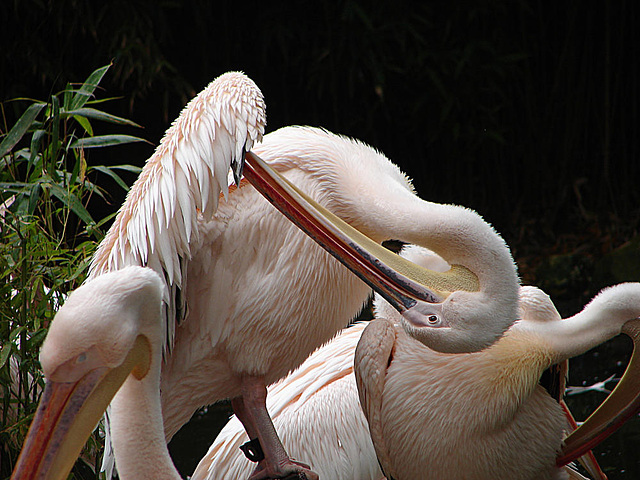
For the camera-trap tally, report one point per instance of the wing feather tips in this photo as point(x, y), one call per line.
point(182, 179)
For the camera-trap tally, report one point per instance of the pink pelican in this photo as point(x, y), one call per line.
point(483, 415)
point(247, 296)
point(317, 412)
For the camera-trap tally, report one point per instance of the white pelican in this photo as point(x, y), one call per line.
point(483, 415)
point(248, 297)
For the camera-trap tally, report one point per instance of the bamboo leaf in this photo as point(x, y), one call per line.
point(20, 128)
point(67, 97)
point(36, 339)
point(114, 175)
point(55, 137)
point(15, 333)
point(36, 142)
point(128, 168)
point(84, 123)
point(34, 196)
point(106, 141)
point(72, 202)
point(96, 114)
point(4, 354)
point(85, 92)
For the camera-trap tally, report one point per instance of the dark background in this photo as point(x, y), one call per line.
point(526, 111)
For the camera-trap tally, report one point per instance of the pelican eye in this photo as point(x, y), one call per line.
point(81, 358)
point(433, 320)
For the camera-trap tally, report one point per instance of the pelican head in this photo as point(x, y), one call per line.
point(103, 332)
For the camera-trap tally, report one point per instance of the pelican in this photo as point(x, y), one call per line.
point(247, 296)
point(483, 415)
point(318, 405)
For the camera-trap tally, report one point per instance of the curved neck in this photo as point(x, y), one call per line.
point(575, 335)
point(457, 234)
point(137, 431)
point(602, 319)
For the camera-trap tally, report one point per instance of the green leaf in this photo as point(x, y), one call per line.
point(106, 141)
point(36, 339)
point(72, 202)
point(85, 92)
point(128, 168)
point(36, 142)
point(85, 124)
point(100, 115)
point(15, 333)
point(20, 128)
point(55, 137)
point(68, 96)
point(34, 196)
point(114, 175)
point(4, 354)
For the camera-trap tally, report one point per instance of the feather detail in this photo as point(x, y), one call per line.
point(158, 223)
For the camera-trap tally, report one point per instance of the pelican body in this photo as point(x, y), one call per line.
point(483, 415)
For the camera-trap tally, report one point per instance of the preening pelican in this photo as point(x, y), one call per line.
point(247, 296)
point(483, 415)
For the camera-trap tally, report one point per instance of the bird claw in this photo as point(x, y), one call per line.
point(297, 476)
point(291, 470)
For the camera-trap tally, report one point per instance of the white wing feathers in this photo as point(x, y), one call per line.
point(184, 178)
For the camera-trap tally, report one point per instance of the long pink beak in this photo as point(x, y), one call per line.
point(67, 414)
point(622, 404)
point(60, 404)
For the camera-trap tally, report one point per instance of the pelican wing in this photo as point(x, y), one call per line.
point(158, 224)
point(373, 355)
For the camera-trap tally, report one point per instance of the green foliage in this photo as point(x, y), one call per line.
point(47, 236)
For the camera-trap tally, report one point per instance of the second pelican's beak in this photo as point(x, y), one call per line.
point(67, 414)
point(620, 406)
point(402, 283)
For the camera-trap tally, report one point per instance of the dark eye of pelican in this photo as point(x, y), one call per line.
point(433, 320)
point(81, 358)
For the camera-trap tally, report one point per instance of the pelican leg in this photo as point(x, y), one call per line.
point(252, 449)
point(251, 410)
